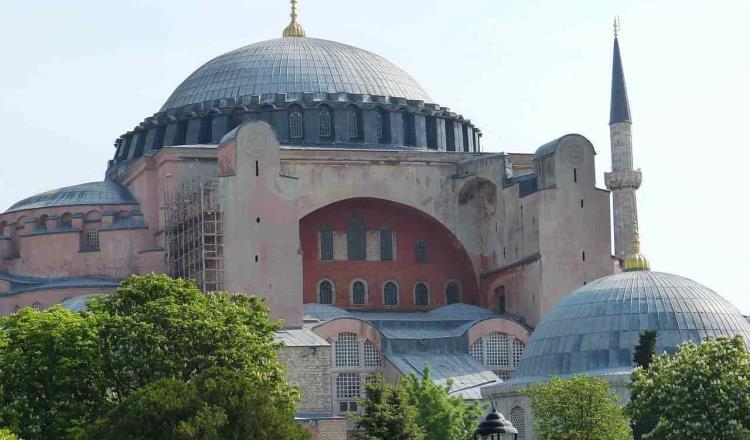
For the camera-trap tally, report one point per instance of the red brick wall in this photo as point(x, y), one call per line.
point(446, 257)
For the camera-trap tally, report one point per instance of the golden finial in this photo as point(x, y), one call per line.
point(294, 29)
point(636, 260)
point(616, 26)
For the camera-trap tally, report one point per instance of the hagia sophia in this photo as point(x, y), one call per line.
point(324, 178)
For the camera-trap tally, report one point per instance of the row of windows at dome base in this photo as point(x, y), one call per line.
point(295, 124)
point(358, 293)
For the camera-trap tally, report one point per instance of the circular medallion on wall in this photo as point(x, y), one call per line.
point(573, 155)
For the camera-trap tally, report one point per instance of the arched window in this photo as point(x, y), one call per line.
point(3, 232)
point(354, 120)
point(65, 221)
point(421, 294)
point(358, 293)
point(518, 419)
point(326, 131)
point(41, 223)
point(355, 238)
point(386, 244)
point(295, 125)
point(15, 234)
point(372, 356)
point(420, 250)
point(390, 294)
point(326, 243)
point(90, 233)
point(325, 292)
point(346, 351)
point(499, 352)
point(37, 306)
point(452, 293)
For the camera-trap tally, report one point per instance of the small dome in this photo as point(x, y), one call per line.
point(596, 328)
point(94, 193)
point(295, 65)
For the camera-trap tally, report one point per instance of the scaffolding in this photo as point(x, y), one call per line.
point(194, 234)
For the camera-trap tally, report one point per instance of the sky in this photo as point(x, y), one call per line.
point(77, 74)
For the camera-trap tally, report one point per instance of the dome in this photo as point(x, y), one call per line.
point(595, 329)
point(295, 65)
point(94, 193)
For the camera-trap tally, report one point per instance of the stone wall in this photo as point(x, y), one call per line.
point(310, 369)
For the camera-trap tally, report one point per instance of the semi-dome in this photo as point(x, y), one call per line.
point(93, 193)
point(595, 329)
point(295, 65)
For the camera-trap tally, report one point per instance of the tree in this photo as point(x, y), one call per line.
point(579, 408)
point(703, 391)
point(50, 373)
point(440, 415)
point(387, 413)
point(7, 435)
point(644, 353)
point(157, 327)
point(217, 404)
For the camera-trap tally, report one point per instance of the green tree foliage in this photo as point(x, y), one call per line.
point(50, 373)
point(702, 392)
point(579, 408)
point(644, 353)
point(217, 404)
point(440, 415)
point(7, 435)
point(387, 413)
point(646, 349)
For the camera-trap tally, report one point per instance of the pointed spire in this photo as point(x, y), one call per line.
point(294, 29)
point(636, 261)
point(619, 106)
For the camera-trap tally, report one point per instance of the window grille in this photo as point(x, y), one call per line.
point(518, 419)
point(421, 294)
point(37, 306)
point(496, 350)
point(326, 292)
point(348, 390)
point(325, 124)
point(346, 350)
point(372, 356)
point(326, 244)
point(390, 294)
point(358, 292)
point(517, 351)
point(353, 124)
point(386, 245)
point(355, 237)
point(452, 293)
point(476, 351)
point(421, 251)
point(295, 125)
point(379, 125)
point(504, 374)
point(92, 238)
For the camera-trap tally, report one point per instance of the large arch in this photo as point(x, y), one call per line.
point(447, 259)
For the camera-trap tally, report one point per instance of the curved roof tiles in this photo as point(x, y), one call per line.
point(295, 65)
point(596, 328)
point(94, 193)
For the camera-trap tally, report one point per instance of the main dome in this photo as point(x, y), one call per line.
point(295, 65)
point(596, 328)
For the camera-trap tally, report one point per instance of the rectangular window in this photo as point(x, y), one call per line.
point(421, 251)
point(92, 238)
point(575, 175)
point(326, 244)
point(348, 386)
point(386, 245)
point(353, 124)
point(356, 239)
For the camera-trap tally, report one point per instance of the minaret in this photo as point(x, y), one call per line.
point(623, 181)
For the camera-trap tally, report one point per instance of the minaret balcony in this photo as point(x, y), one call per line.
point(623, 180)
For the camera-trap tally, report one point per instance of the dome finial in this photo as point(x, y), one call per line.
point(294, 29)
point(636, 261)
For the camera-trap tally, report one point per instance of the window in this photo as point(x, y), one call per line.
point(390, 294)
point(90, 233)
point(477, 351)
point(575, 175)
point(358, 293)
point(346, 351)
point(516, 347)
point(499, 352)
point(581, 203)
point(432, 135)
point(295, 125)
point(500, 297)
point(325, 124)
point(386, 245)
point(450, 135)
point(518, 419)
point(65, 222)
point(326, 244)
point(583, 255)
point(3, 225)
point(325, 292)
point(421, 294)
point(37, 306)
point(92, 238)
point(379, 126)
point(41, 223)
point(355, 238)
point(452, 293)
point(353, 124)
point(409, 129)
point(421, 251)
point(372, 356)
point(348, 390)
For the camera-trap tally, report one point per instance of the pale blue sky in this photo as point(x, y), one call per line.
point(77, 74)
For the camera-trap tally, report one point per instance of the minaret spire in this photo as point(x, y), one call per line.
point(294, 29)
point(623, 181)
